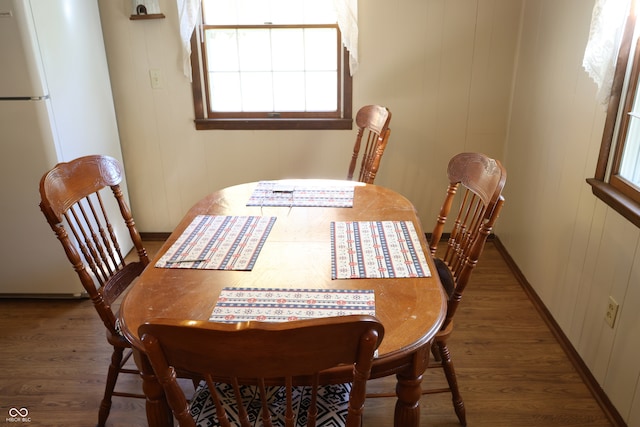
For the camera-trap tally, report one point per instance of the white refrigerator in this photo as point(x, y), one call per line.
point(55, 105)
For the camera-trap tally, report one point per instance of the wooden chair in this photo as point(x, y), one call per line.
point(475, 185)
point(373, 135)
point(257, 370)
point(481, 180)
point(72, 202)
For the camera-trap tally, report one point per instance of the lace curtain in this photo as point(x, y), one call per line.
point(188, 15)
point(346, 10)
point(607, 26)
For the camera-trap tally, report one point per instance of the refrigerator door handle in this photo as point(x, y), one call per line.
point(24, 98)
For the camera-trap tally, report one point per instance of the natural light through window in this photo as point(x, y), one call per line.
point(271, 56)
point(617, 177)
point(626, 168)
point(630, 165)
point(629, 169)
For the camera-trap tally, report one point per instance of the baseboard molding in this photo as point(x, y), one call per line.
point(155, 237)
point(592, 384)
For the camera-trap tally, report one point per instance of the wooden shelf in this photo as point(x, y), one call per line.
point(148, 16)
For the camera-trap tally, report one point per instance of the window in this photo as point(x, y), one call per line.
point(617, 176)
point(270, 64)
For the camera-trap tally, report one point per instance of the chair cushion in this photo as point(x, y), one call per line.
point(119, 328)
point(446, 278)
point(332, 404)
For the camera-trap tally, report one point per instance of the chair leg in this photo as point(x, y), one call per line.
point(112, 378)
point(435, 353)
point(450, 374)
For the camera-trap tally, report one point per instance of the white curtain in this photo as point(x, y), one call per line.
point(347, 12)
point(607, 26)
point(188, 15)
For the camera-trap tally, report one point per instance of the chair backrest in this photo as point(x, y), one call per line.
point(72, 202)
point(482, 180)
point(260, 353)
point(373, 134)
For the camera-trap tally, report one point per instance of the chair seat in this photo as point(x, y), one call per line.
point(446, 278)
point(332, 404)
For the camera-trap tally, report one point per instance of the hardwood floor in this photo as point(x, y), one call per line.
point(511, 369)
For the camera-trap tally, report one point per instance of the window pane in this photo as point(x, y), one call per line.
point(218, 12)
point(320, 45)
point(225, 91)
point(253, 11)
point(257, 91)
point(222, 48)
point(287, 12)
point(279, 12)
point(319, 12)
point(321, 91)
point(254, 50)
point(630, 165)
point(288, 88)
point(288, 49)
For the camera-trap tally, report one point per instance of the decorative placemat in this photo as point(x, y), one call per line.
point(376, 249)
point(301, 194)
point(219, 243)
point(280, 305)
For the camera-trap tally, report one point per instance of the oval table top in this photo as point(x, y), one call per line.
point(296, 254)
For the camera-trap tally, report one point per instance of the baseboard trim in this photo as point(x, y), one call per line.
point(592, 384)
point(155, 236)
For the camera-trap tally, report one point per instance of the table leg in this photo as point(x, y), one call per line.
point(409, 391)
point(158, 411)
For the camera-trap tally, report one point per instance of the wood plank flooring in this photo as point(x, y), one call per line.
point(511, 370)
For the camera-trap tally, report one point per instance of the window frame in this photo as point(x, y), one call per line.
point(606, 184)
point(341, 120)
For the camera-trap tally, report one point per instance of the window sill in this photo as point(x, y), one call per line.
point(622, 204)
point(274, 124)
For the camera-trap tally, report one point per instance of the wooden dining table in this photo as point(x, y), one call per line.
point(297, 254)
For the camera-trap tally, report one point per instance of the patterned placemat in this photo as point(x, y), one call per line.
point(376, 249)
point(279, 305)
point(300, 194)
point(219, 243)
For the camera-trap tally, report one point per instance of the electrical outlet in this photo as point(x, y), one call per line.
point(612, 311)
point(156, 78)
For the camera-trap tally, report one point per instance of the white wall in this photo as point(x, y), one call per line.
point(572, 248)
point(445, 68)
point(442, 67)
